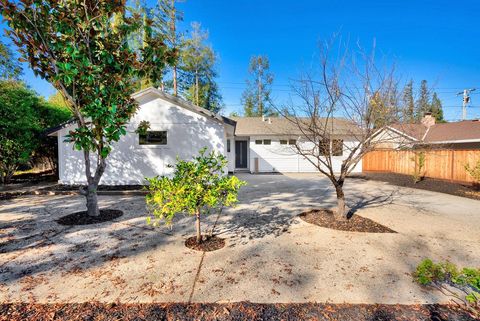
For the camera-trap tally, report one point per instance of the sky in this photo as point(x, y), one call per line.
point(434, 40)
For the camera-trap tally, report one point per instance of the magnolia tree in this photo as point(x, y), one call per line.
point(338, 110)
point(81, 48)
point(196, 187)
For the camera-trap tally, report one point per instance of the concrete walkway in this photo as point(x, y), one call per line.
point(271, 255)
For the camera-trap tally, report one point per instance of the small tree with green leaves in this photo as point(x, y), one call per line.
point(463, 286)
point(196, 187)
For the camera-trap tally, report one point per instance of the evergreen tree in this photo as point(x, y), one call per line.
point(423, 102)
point(256, 97)
point(198, 73)
point(408, 103)
point(165, 17)
point(436, 108)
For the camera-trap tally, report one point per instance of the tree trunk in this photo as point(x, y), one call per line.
point(196, 87)
point(197, 224)
point(341, 212)
point(92, 201)
point(175, 90)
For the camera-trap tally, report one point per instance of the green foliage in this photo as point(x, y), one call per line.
point(10, 68)
point(197, 64)
point(419, 172)
point(256, 97)
point(436, 108)
point(196, 187)
point(143, 127)
point(19, 126)
point(462, 285)
point(474, 171)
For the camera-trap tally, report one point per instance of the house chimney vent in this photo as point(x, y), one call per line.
point(428, 120)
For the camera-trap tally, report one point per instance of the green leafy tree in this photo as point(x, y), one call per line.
point(10, 68)
point(81, 48)
point(436, 108)
point(50, 113)
point(408, 103)
point(19, 126)
point(195, 188)
point(423, 102)
point(198, 71)
point(256, 97)
point(463, 286)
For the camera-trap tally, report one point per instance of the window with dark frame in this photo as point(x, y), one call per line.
point(292, 142)
point(228, 145)
point(283, 142)
point(258, 142)
point(337, 147)
point(267, 142)
point(324, 148)
point(153, 137)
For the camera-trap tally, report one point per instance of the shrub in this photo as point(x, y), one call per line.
point(419, 172)
point(196, 187)
point(463, 286)
point(474, 172)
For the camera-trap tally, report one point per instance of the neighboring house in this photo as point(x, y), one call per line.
point(453, 135)
point(179, 128)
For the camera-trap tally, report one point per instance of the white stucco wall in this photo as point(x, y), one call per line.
point(130, 163)
point(283, 158)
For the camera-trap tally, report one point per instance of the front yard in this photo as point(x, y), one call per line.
point(271, 256)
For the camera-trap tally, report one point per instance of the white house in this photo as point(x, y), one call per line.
point(181, 129)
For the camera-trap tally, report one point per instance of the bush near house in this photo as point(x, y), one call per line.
point(196, 187)
point(463, 286)
point(474, 172)
point(23, 117)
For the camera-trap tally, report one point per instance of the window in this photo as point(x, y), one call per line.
point(337, 147)
point(153, 138)
point(267, 142)
point(292, 142)
point(324, 147)
point(258, 142)
point(228, 145)
point(283, 142)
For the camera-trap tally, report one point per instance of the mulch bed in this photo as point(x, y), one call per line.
point(428, 184)
point(356, 223)
point(208, 244)
point(230, 312)
point(82, 218)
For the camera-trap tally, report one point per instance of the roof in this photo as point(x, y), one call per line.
point(462, 131)
point(165, 96)
point(258, 126)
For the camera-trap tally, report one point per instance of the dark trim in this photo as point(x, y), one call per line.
point(55, 129)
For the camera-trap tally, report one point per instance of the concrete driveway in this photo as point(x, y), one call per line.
point(271, 255)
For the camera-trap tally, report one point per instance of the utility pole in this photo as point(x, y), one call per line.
point(466, 100)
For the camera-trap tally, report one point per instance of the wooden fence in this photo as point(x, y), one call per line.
point(439, 164)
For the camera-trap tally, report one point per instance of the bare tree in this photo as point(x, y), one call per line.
point(339, 111)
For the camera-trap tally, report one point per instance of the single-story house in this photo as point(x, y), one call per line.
point(429, 134)
point(180, 129)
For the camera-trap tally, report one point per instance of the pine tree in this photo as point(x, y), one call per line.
point(256, 97)
point(423, 102)
point(165, 16)
point(408, 103)
point(198, 72)
point(436, 108)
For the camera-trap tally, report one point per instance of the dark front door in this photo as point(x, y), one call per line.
point(241, 154)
